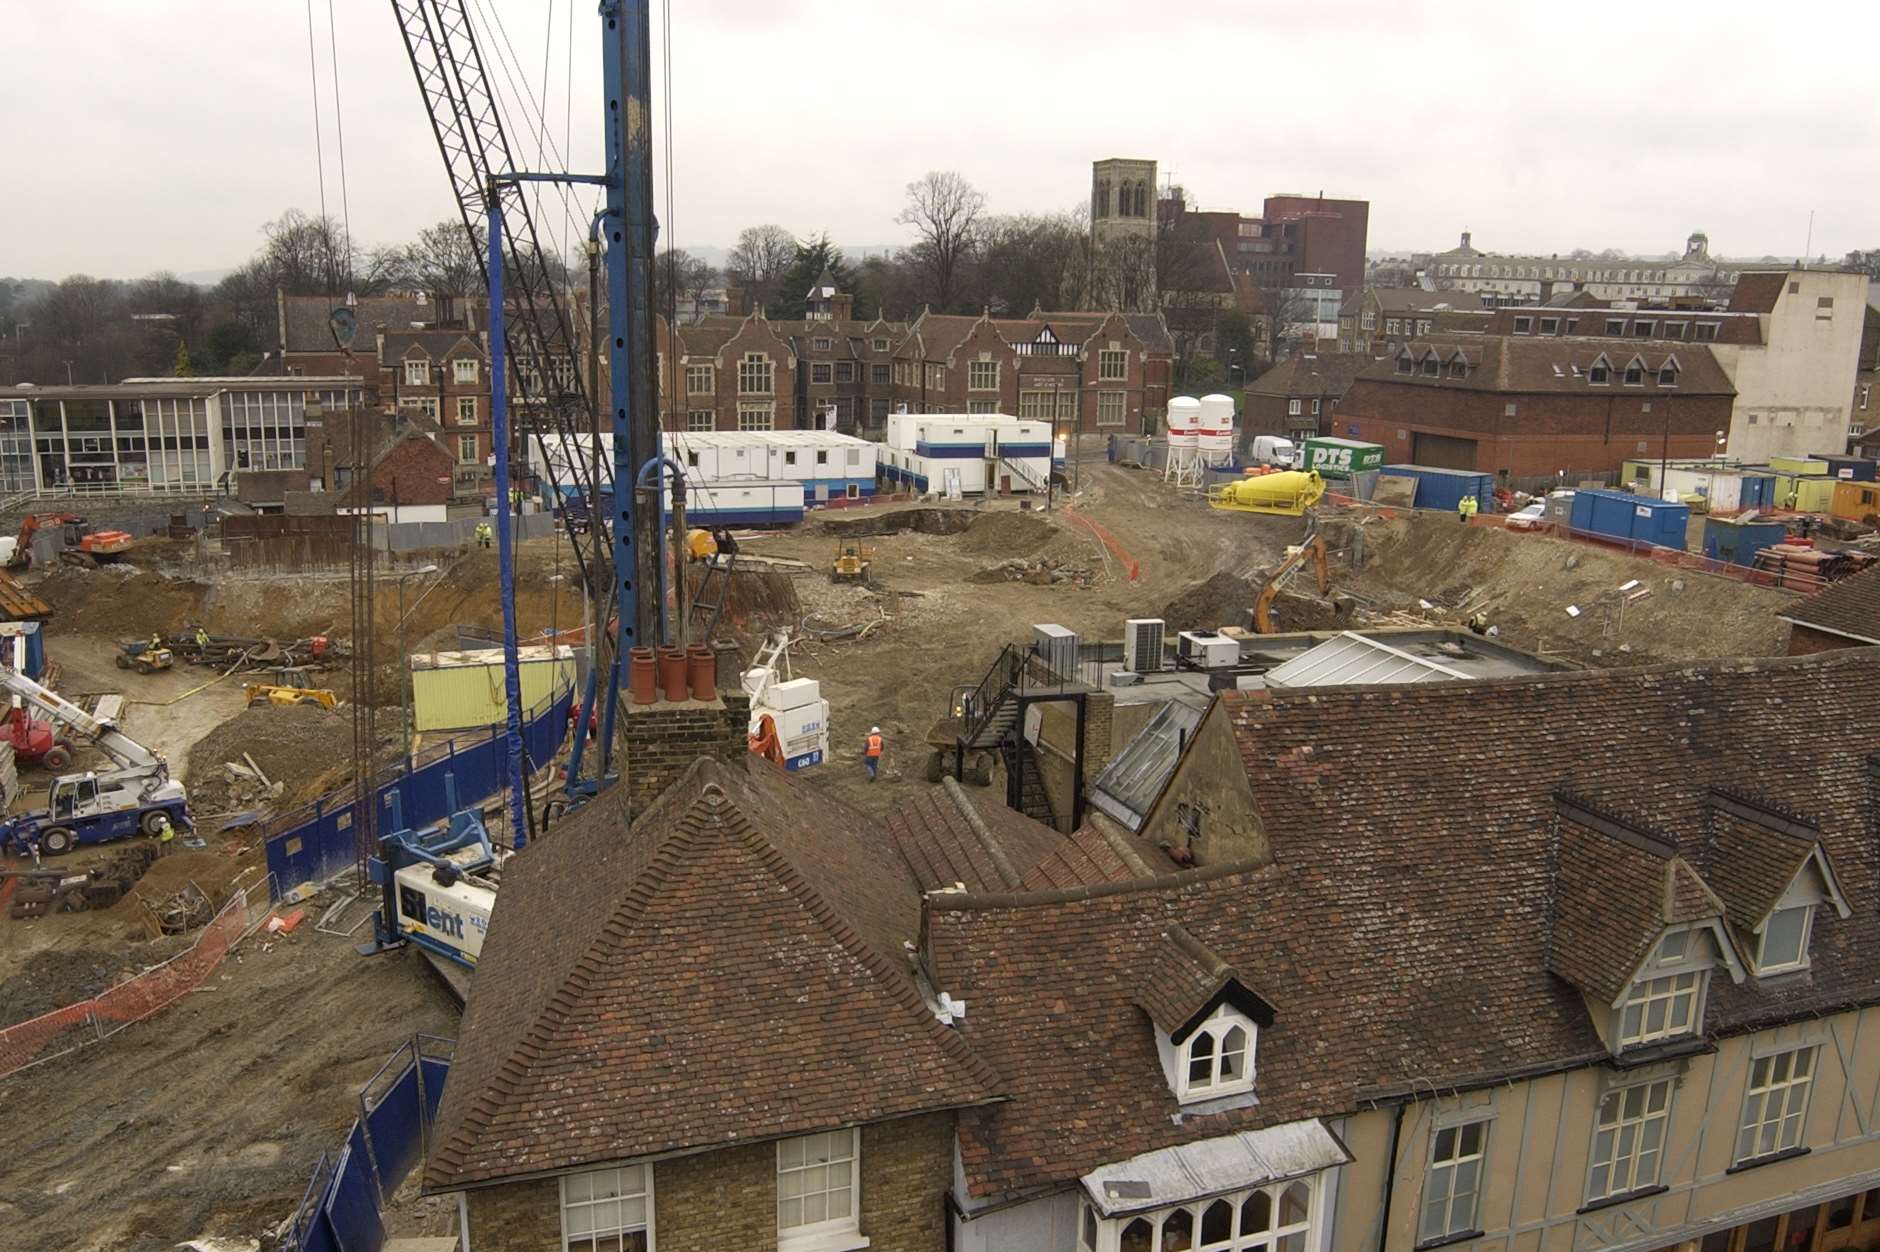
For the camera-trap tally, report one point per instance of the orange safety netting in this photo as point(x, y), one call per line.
point(1130, 564)
point(76, 1025)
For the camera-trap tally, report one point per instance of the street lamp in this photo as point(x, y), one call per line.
point(404, 658)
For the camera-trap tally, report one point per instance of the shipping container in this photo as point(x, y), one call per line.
point(1444, 488)
point(457, 690)
point(1621, 515)
point(1807, 466)
point(1341, 458)
point(1856, 502)
point(1858, 469)
point(1726, 539)
point(1805, 493)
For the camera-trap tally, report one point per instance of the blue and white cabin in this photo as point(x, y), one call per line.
point(982, 452)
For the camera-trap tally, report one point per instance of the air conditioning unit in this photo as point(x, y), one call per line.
point(1142, 645)
point(1057, 645)
point(1207, 649)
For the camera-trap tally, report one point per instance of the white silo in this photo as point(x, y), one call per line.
point(1215, 435)
point(1184, 433)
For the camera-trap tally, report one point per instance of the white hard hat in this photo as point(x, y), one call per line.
point(874, 730)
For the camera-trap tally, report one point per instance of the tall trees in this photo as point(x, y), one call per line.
point(680, 279)
point(812, 259)
point(944, 210)
point(758, 260)
point(1031, 261)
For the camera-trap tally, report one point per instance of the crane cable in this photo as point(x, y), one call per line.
point(319, 150)
point(339, 127)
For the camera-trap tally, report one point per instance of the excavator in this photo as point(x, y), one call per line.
point(83, 545)
point(136, 795)
point(1313, 549)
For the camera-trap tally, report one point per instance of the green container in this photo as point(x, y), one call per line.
point(1341, 458)
point(1801, 466)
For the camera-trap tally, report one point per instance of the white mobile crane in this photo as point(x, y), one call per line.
point(94, 806)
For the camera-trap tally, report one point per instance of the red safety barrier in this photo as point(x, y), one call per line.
point(1130, 564)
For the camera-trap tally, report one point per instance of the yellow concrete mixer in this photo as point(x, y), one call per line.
point(1289, 492)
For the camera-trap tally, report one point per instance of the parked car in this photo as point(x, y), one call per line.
point(1529, 517)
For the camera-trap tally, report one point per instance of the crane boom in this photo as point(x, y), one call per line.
point(103, 734)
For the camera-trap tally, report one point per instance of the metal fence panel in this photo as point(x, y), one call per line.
point(352, 1206)
point(396, 1128)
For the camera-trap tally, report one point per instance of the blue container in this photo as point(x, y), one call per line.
point(1857, 469)
point(1621, 515)
point(1758, 492)
point(1444, 488)
point(1739, 542)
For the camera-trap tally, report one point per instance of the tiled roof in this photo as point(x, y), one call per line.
point(949, 837)
point(1088, 856)
point(727, 969)
point(1181, 981)
point(1313, 374)
point(1850, 607)
point(1757, 292)
point(1403, 928)
point(1417, 300)
point(308, 328)
point(395, 345)
point(1527, 365)
point(1753, 861)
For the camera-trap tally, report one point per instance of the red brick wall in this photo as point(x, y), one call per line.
point(1545, 433)
point(415, 471)
point(1331, 233)
point(1804, 640)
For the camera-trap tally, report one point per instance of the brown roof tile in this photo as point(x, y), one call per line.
point(726, 970)
point(1517, 363)
point(1403, 930)
point(1850, 607)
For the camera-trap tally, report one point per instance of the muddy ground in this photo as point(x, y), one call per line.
point(206, 1119)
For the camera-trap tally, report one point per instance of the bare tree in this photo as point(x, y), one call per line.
point(759, 259)
point(307, 255)
point(944, 209)
point(680, 278)
point(1031, 261)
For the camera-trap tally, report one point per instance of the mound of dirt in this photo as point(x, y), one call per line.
point(55, 977)
point(299, 746)
point(119, 600)
point(922, 521)
point(1008, 534)
point(1222, 600)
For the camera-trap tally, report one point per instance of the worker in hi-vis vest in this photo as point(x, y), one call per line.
point(483, 534)
point(1465, 509)
point(873, 758)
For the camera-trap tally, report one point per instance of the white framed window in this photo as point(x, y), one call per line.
point(467, 450)
point(1110, 406)
point(701, 419)
point(1403, 364)
point(1112, 365)
point(1367, 320)
point(982, 406)
point(817, 1177)
point(1775, 1109)
point(1783, 941)
point(464, 370)
point(982, 376)
point(1423, 326)
point(1315, 405)
point(426, 405)
point(937, 378)
point(1217, 1059)
point(757, 416)
point(1615, 326)
point(1866, 391)
point(1523, 325)
point(822, 345)
point(417, 373)
point(821, 372)
point(1393, 326)
point(1276, 1218)
point(1292, 408)
point(879, 344)
point(1629, 1139)
point(700, 380)
point(1668, 376)
point(1452, 1189)
point(466, 410)
point(607, 1210)
point(1550, 326)
point(1661, 1008)
point(1598, 374)
point(754, 376)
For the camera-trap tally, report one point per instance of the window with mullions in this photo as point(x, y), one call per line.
point(1452, 1190)
point(1277, 1218)
point(816, 1179)
point(1629, 1139)
point(982, 375)
point(754, 375)
point(1776, 1106)
point(607, 1210)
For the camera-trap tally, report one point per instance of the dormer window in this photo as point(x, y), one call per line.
point(1599, 372)
point(1217, 1059)
point(1635, 373)
point(1431, 366)
point(1666, 999)
point(1458, 368)
point(1404, 364)
point(1667, 375)
point(1784, 940)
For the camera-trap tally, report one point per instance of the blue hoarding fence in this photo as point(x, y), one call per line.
point(340, 1211)
point(315, 843)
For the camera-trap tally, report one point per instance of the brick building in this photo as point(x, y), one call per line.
point(1526, 408)
point(443, 376)
point(1608, 991)
point(1380, 318)
point(1299, 397)
point(1864, 412)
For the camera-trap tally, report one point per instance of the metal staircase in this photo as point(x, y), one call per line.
point(1024, 781)
point(992, 719)
point(1025, 474)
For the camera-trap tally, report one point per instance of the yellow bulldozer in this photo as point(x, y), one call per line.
point(288, 684)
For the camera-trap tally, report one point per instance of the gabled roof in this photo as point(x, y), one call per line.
point(948, 837)
point(1403, 927)
point(1183, 982)
point(1758, 291)
point(1312, 374)
point(1401, 300)
point(307, 319)
point(1550, 364)
point(1756, 854)
point(1617, 887)
point(398, 345)
point(1850, 608)
point(725, 970)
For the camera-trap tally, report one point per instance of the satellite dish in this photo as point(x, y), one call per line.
point(344, 323)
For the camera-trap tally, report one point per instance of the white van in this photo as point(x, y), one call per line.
point(1274, 450)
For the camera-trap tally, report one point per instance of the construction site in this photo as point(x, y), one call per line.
point(207, 1117)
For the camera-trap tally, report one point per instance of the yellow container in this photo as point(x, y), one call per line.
point(1804, 493)
point(1799, 465)
point(1291, 492)
point(1857, 502)
point(462, 690)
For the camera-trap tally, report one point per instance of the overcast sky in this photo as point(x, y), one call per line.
point(161, 134)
